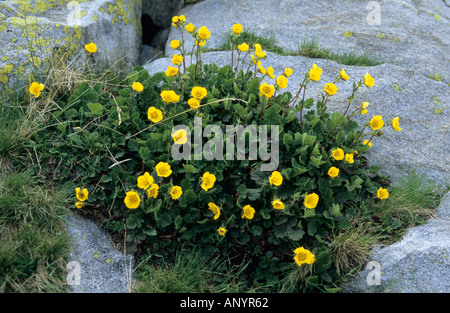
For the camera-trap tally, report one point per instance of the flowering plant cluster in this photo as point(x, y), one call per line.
point(226, 206)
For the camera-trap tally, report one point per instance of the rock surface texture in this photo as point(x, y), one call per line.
point(103, 269)
point(33, 32)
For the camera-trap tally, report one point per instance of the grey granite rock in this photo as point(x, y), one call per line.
point(412, 34)
point(420, 103)
point(419, 263)
point(103, 269)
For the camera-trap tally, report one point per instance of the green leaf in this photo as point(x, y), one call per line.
point(133, 221)
point(350, 126)
point(296, 234)
point(178, 222)
point(257, 230)
point(96, 108)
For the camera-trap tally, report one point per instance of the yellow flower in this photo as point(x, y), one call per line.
point(208, 181)
point(258, 51)
point(248, 212)
point(81, 195)
point(277, 204)
point(282, 81)
point(177, 59)
point(215, 209)
point(261, 68)
point(182, 18)
point(137, 86)
point(193, 103)
point(243, 47)
point(132, 200)
point(267, 90)
point(189, 27)
point(344, 75)
point(174, 44)
point(199, 92)
point(169, 96)
point(311, 201)
point(315, 72)
point(201, 44)
point(144, 181)
point(367, 142)
point(288, 72)
point(180, 137)
point(270, 72)
point(303, 256)
point(330, 89)
point(154, 114)
point(276, 178)
point(349, 158)
point(395, 124)
point(204, 33)
point(376, 122)
point(152, 192)
point(382, 193)
point(91, 47)
point(171, 71)
point(163, 169)
point(363, 107)
point(237, 29)
point(222, 231)
point(79, 205)
point(368, 80)
point(333, 172)
point(176, 192)
point(338, 154)
point(36, 88)
point(177, 20)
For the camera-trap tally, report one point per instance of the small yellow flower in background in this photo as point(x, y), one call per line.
point(237, 29)
point(163, 169)
point(215, 209)
point(243, 47)
point(248, 212)
point(169, 96)
point(276, 178)
point(376, 122)
point(395, 124)
point(338, 154)
point(193, 103)
point(270, 72)
point(258, 51)
point(199, 92)
point(201, 44)
point(222, 231)
point(152, 192)
point(145, 181)
point(267, 90)
point(314, 73)
point(81, 195)
point(137, 86)
point(367, 142)
point(180, 137)
point(171, 71)
point(303, 256)
point(363, 107)
point(177, 20)
point(261, 68)
point(208, 181)
point(288, 72)
point(132, 200)
point(182, 18)
point(176, 192)
point(349, 158)
point(382, 193)
point(282, 81)
point(311, 201)
point(174, 44)
point(36, 88)
point(277, 204)
point(155, 115)
point(189, 28)
point(79, 205)
point(330, 89)
point(177, 59)
point(344, 75)
point(333, 172)
point(91, 47)
point(204, 33)
point(368, 80)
